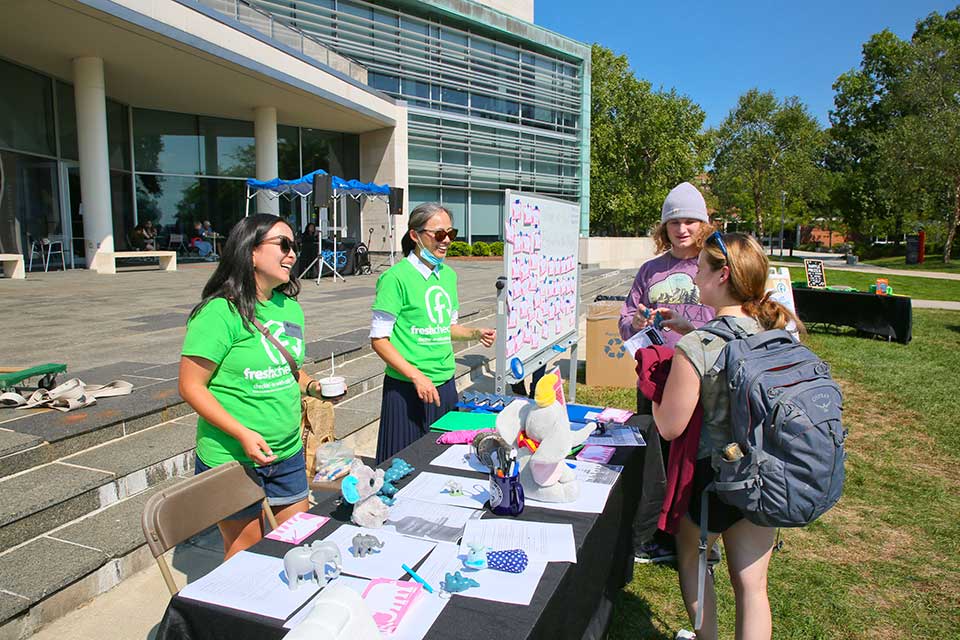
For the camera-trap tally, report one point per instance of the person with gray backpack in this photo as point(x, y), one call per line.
point(770, 450)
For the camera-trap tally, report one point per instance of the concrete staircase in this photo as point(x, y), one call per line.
point(73, 485)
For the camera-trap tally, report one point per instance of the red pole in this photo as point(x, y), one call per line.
point(923, 245)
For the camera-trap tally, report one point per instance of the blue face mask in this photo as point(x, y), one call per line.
point(427, 256)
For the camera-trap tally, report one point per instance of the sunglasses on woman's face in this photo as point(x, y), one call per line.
point(442, 234)
point(286, 244)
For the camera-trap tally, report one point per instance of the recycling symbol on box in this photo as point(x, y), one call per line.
point(614, 348)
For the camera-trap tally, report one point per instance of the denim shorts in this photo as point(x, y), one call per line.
point(284, 482)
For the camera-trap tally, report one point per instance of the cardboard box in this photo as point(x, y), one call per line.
point(609, 364)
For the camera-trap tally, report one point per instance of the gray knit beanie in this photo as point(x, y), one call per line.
point(684, 201)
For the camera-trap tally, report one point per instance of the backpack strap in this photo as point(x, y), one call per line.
point(725, 327)
point(702, 561)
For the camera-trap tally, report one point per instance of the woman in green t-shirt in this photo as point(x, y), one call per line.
point(414, 320)
point(239, 383)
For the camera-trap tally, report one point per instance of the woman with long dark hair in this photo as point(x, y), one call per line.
point(239, 383)
point(414, 320)
point(731, 275)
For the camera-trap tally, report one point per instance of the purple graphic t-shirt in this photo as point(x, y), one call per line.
point(665, 281)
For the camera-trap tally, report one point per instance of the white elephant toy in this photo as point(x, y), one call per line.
point(542, 435)
point(314, 558)
point(360, 489)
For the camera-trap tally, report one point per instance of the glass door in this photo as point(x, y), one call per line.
point(71, 209)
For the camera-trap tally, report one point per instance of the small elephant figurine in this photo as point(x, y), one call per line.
point(360, 489)
point(311, 559)
point(364, 543)
point(542, 435)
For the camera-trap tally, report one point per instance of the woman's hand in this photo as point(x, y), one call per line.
point(256, 447)
point(426, 390)
point(488, 337)
point(641, 319)
point(674, 322)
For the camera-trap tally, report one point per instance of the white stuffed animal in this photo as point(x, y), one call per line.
point(543, 438)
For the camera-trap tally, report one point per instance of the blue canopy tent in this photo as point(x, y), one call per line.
point(302, 187)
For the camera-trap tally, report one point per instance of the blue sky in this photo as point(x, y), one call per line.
point(715, 51)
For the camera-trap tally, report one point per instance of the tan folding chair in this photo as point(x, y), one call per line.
point(175, 514)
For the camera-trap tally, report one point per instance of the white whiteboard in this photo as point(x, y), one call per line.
point(541, 251)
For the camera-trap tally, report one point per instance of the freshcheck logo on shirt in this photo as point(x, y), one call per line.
point(291, 344)
point(437, 302)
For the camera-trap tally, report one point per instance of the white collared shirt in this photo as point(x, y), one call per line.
point(382, 324)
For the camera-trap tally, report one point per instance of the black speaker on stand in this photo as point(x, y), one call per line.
point(322, 190)
point(396, 201)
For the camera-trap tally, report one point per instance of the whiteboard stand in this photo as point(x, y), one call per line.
point(562, 231)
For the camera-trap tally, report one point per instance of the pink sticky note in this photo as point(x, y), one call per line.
point(297, 528)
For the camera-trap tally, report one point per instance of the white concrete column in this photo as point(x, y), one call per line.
point(268, 166)
point(383, 159)
point(89, 93)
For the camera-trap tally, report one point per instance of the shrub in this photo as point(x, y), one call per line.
point(458, 248)
point(496, 248)
point(481, 248)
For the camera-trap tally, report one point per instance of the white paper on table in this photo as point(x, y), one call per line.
point(617, 436)
point(541, 541)
point(498, 586)
point(429, 521)
point(431, 487)
point(251, 582)
point(385, 563)
point(460, 456)
point(590, 416)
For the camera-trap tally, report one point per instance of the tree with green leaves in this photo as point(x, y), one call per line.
point(643, 143)
point(896, 128)
point(768, 155)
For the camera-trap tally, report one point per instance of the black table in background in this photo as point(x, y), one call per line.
point(890, 317)
point(572, 600)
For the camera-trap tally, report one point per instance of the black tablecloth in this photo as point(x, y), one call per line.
point(571, 601)
point(887, 316)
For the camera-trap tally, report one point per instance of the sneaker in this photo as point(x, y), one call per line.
point(653, 553)
point(683, 634)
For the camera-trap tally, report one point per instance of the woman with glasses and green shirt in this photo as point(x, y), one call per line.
point(415, 320)
point(239, 383)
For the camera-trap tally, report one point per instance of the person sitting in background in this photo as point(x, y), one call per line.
point(204, 247)
point(211, 236)
point(150, 235)
point(309, 249)
point(138, 239)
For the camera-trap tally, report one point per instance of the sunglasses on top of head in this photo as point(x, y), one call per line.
point(716, 237)
point(286, 244)
point(442, 234)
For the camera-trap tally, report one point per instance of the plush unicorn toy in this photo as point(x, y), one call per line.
point(542, 435)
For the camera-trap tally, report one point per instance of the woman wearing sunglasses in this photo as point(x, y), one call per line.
point(731, 276)
point(239, 383)
point(414, 322)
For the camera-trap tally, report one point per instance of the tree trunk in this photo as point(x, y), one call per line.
point(952, 232)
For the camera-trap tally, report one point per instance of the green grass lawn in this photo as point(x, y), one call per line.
point(919, 288)
point(932, 263)
point(883, 563)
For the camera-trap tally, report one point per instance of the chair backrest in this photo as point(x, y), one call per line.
point(175, 238)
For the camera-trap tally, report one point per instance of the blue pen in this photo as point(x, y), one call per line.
point(416, 576)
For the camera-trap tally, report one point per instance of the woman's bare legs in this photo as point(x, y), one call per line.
point(688, 562)
point(243, 534)
point(748, 557)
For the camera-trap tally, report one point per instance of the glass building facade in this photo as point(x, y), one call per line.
point(488, 110)
point(173, 169)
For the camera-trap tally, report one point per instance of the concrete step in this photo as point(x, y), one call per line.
point(40, 499)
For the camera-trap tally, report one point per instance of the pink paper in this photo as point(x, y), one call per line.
point(389, 601)
point(614, 415)
point(596, 453)
point(297, 528)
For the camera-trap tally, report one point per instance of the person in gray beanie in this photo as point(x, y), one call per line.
point(665, 281)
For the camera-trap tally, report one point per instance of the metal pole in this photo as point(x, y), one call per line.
point(783, 208)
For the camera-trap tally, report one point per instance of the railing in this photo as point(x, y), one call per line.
point(288, 35)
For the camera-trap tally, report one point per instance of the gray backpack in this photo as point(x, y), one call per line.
point(785, 412)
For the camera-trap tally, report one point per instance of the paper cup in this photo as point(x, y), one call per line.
point(333, 386)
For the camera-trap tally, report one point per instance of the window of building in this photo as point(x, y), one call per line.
point(26, 111)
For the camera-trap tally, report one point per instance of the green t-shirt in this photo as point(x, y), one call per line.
point(252, 380)
point(423, 308)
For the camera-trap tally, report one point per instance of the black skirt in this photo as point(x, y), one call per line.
point(404, 417)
